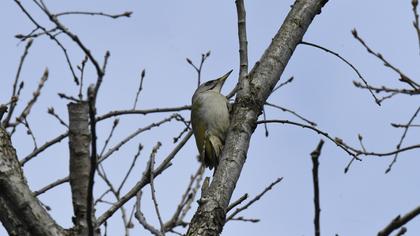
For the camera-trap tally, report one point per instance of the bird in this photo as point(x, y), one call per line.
point(210, 120)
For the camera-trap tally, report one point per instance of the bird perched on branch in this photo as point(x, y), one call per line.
point(210, 120)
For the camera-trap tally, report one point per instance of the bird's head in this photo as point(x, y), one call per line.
point(214, 85)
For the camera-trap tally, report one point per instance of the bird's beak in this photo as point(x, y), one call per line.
point(222, 79)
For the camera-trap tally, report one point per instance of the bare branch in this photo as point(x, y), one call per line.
point(414, 3)
point(352, 152)
point(402, 139)
point(142, 219)
point(14, 96)
point(134, 134)
point(44, 147)
point(403, 77)
point(199, 68)
point(283, 84)
point(399, 221)
point(291, 112)
point(34, 98)
point(315, 165)
point(52, 185)
point(142, 75)
point(140, 147)
point(252, 201)
point(113, 16)
point(142, 112)
point(152, 185)
point(144, 181)
point(51, 111)
point(237, 202)
point(52, 37)
point(348, 63)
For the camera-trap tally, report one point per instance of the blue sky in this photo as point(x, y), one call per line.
point(158, 38)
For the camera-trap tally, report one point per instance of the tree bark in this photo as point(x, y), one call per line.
point(21, 212)
point(253, 91)
point(79, 144)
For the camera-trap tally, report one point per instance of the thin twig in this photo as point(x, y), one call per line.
point(256, 198)
point(82, 73)
point(387, 90)
point(241, 218)
point(53, 18)
point(52, 37)
point(414, 3)
point(133, 163)
point(188, 194)
point(291, 112)
point(70, 98)
point(142, 112)
point(152, 185)
point(131, 136)
point(191, 196)
point(29, 131)
point(51, 111)
point(337, 141)
point(143, 181)
point(113, 16)
point(403, 77)
point(402, 139)
point(35, 96)
point(315, 166)
point(237, 202)
point(114, 125)
point(283, 84)
point(142, 219)
point(199, 68)
point(348, 63)
point(52, 185)
point(142, 75)
point(42, 148)
point(14, 96)
point(265, 124)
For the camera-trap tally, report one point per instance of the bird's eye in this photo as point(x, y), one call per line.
point(208, 83)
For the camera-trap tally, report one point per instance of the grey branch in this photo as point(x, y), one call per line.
point(399, 221)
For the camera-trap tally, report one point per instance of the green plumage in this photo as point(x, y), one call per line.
point(210, 120)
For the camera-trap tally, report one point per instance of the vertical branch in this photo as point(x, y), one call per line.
point(402, 139)
point(414, 3)
point(315, 163)
point(93, 160)
point(243, 44)
point(152, 185)
point(79, 141)
point(142, 75)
